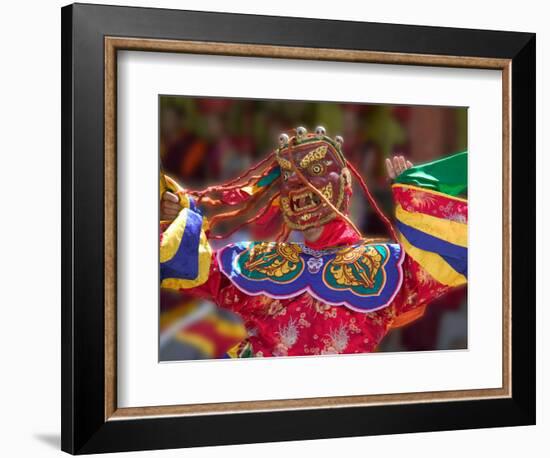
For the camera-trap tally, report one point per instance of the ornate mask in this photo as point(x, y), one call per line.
point(320, 161)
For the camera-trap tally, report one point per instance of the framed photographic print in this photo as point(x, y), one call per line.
point(282, 228)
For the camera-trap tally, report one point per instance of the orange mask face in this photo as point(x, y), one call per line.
point(323, 166)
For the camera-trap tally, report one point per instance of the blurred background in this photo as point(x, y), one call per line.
point(210, 140)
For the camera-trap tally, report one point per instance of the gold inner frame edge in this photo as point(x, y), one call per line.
point(114, 44)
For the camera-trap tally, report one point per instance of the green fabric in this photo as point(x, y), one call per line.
point(448, 175)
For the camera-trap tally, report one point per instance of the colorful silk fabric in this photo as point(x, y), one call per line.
point(432, 221)
point(192, 328)
point(185, 253)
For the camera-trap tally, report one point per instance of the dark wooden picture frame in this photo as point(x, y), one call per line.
point(91, 37)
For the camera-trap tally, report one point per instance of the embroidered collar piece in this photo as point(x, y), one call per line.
point(363, 276)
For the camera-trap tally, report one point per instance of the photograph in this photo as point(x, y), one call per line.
point(311, 228)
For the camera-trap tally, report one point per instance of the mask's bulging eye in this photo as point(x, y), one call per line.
point(286, 175)
point(316, 169)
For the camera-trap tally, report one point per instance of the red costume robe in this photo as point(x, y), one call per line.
point(430, 259)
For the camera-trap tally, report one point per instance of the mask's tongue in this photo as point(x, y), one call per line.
point(335, 233)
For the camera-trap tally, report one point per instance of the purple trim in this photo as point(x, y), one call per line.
point(313, 283)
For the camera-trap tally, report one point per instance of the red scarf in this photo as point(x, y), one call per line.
point(335, 233)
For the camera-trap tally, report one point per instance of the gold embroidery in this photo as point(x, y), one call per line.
point(272, 307)
point(274, 262)
point(346, 175)
point(327, 191)
point(316, 155)
point(285, 203)
point(348, 266)
point(283, 163)
point(421, 200)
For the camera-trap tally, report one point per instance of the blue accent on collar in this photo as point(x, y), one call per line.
point(363, 277)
